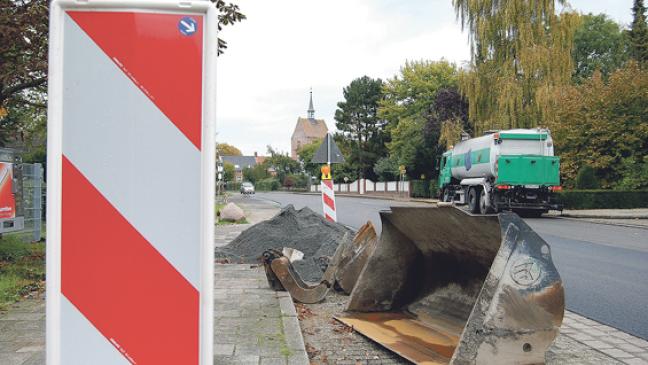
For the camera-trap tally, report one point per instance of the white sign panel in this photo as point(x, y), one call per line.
point(131, 182)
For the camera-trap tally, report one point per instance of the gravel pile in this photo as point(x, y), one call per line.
point(301, 229)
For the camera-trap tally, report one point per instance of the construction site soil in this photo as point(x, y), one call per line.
point(302, 229)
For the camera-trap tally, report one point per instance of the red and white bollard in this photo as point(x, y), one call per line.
point(328, 194)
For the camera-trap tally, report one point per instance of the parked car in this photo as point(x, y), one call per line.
point(247, 188)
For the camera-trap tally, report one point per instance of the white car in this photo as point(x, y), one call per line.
point(247, 188)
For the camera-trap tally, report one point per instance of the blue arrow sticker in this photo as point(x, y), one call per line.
point(188, 26)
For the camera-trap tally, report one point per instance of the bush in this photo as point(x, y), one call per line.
point(433, 189)
point(420, 188)
point(269, 184)
point(603, 199)
point(586, 179)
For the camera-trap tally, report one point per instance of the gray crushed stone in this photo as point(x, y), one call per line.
point(301, 229)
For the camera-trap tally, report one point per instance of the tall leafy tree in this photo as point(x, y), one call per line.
point(639, 32)
point(409, 106)
point(23, 47)
point(521, 50)
point(604, 125)
point(357, 119)
point(599, 44)
point(225, 149)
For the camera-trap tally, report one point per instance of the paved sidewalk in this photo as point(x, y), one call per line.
point(254, 324)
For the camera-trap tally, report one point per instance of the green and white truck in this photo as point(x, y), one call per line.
point(502, 170)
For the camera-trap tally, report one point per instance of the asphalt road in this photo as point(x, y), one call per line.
point(604, 267)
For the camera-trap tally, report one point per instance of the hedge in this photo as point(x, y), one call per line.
point(269, 184)
point(420, 189)
point(603, 199)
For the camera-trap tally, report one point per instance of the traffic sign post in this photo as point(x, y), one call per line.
point(328, 153)
point(131, 182)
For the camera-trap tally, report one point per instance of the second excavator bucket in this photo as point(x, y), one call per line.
point(342, 272)
point(445, 287)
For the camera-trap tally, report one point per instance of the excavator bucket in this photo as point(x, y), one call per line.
point(342, 272)
point(445, 287)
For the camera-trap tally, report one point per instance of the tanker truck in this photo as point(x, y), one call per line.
point(502, 170)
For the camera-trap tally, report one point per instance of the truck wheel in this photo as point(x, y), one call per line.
point(473, 200)
point(483, 208)
point(446, 196)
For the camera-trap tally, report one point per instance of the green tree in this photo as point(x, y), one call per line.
point(603, 125)
point(225, 149)
point(357, 120)
point(229, 172)
point(23, 46)
point(256, 173)
point(386, 169)
point(306, 154)
point(410, 107)
point(282, 163)
point(521, 51)
point(599, 44)
point(638, 33)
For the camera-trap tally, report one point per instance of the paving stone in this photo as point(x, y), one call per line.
point(236, 360)
point(287, 306)
point(224, 349)
point(273, 361)
point(298, 358)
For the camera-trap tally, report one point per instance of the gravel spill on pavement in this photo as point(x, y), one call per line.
point(302, 229)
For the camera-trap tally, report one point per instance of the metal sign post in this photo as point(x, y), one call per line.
point(131, 182)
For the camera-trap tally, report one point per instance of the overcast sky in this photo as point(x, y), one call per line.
point(287, 46)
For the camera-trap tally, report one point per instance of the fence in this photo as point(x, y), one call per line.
point(366, 186)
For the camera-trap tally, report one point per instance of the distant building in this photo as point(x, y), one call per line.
point(307, 130)
point(240, 163)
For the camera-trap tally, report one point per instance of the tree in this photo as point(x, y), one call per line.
point(229, 171)
point(282, 163)
point(357, 119)
point(225, 149)
point(603, 125)
point(386, 169)
point(410, 108)
point(23, 50)
point(306, 153)
point(599, 44)
point(256, 173)
point(638, 33)
point(23, 47)
point(521, 50)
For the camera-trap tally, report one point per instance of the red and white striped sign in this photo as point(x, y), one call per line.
point(131, 183)
point(328, 200)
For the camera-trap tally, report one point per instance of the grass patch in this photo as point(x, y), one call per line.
point(22, 269)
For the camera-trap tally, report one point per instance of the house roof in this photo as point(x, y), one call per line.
point(315, 128)
point(240, 162)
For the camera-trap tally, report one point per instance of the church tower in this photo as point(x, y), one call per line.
point(307, 130)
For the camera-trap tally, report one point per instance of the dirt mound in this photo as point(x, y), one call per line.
point(301, 229)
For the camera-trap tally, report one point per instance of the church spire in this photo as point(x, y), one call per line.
point(311, 110)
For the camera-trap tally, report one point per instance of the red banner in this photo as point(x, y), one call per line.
point(7, 200)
